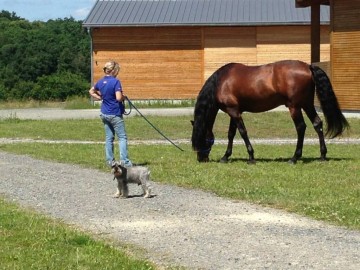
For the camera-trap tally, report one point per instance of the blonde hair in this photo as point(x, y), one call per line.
point(111, 68)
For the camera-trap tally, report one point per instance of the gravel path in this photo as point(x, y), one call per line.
point(188, 228)
point(53, 114)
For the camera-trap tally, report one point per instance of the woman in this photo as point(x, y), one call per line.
point(109, 90)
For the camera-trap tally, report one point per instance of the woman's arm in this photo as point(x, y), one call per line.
point(94, 93)
point(119, 96)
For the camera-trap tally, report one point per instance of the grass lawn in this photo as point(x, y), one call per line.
point(265, 125)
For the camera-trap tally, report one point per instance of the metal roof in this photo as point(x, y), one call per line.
point(199, 12)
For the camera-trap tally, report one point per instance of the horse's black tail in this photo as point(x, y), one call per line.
point(336, 122)
point(204, 107)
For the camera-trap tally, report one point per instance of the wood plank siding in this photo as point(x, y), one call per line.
point(156, 63)
point(223, 45)
point(174, 62)
point(345, 52)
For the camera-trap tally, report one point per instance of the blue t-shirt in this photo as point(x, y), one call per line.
point(107, 86)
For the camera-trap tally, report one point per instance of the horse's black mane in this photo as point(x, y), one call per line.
point(205, 99)
point(205, 106)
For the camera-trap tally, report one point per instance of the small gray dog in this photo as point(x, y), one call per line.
point(137, 174)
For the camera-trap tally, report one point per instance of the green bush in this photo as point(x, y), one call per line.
point(59, 87)
point(21, 90)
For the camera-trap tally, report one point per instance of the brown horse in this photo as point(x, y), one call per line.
point(236, 88)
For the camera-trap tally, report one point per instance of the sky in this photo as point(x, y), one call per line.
point(44, 10)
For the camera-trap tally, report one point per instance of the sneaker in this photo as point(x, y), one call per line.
point(126, 164)
point(110, 163)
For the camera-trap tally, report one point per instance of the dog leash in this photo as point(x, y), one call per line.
point(131, 105)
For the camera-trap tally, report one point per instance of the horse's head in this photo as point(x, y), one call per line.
point(202, 143)
point(203, 154)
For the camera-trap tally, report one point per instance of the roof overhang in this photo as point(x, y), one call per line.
point(307, 3)
point(294, 23)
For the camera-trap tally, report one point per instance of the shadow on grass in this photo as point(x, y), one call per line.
point(304, 160)
point(141, 164)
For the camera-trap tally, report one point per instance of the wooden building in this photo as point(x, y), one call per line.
point(343, 67)
point(167, 49)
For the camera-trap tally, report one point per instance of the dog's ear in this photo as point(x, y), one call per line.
point(113, 164)
point(121, 163)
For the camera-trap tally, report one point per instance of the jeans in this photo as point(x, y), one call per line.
point(115, 125)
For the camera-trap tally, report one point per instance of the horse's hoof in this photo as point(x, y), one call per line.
point(292, 161)
point(224, 160)
point(323, 159)
point(251, 161)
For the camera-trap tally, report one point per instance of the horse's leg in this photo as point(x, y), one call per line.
point(318, 126)
point(244, 136)
point(300, 126)
point(231, 135)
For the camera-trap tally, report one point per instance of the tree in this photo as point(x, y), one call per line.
point(10, 16)
point(33, 54)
